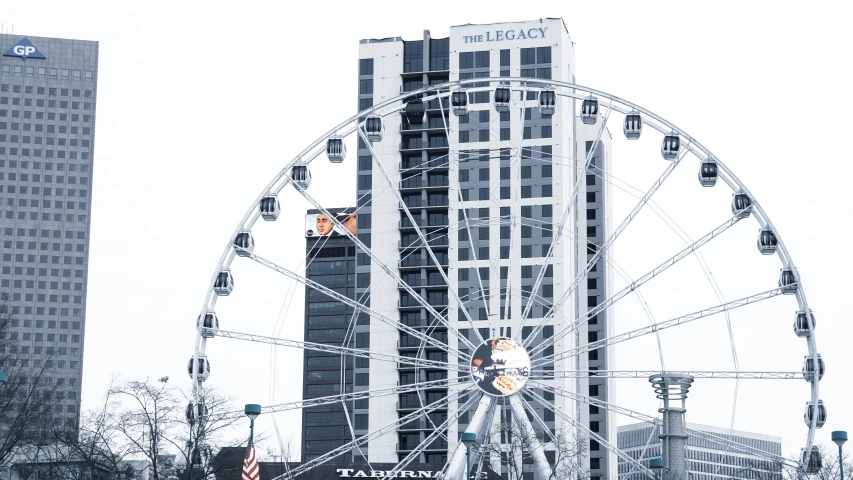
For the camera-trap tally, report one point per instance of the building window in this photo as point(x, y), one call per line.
point(528, 56)
point(439, 54)
point(413, 56)
point(466, 60)
point(484, 135)
point(464, 136)
point(481, 59)
point(504, 58)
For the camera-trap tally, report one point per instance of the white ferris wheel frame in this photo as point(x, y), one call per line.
point(486, 410)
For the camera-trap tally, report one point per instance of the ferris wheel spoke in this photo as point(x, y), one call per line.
point(655, 421)
point(645, 374)
point(593, 435)
point(721, 441)
point(562, 225)
point(426, 442)
point(609, 242)
point(391, 427)
point(351, 396)
point(662, 267)
point(414, 223)
point(353, 303)
point(673, 322)
point(385, 268)
point(320, 347)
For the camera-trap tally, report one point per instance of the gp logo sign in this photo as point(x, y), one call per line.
point(24, 49)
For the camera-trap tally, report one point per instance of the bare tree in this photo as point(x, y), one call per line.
point(27, 397)
point(202, 432)
point(515, 446)
point(94, 452)
point(146, 420)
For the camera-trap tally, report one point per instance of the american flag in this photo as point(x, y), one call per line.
point(250, 463)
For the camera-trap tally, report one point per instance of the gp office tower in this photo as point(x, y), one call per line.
point(500, 174)
point(48, 90)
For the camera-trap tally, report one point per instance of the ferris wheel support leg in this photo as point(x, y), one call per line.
point(536, 450)
point(673, 388)
point(478, 426)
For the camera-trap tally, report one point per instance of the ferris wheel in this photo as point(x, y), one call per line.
point(531, 346)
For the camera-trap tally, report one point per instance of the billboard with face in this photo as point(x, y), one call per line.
point(320, 225)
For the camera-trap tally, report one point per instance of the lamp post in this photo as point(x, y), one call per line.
point(252, 410)
point(656, 464)
point(468, 439)
point(839, 437)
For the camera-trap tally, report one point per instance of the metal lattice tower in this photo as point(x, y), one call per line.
point(672, 388)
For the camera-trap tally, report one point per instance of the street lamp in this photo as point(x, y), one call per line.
point(656, 464)
point(468, 439)
point(839, 437)
point(252, 410)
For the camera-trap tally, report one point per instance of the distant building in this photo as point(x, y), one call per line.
point(48, 91)
point(705, 460)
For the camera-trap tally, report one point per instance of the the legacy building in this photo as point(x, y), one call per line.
point(487, 189)
point(48, 90)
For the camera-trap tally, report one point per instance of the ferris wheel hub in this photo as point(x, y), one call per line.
point(500, 366)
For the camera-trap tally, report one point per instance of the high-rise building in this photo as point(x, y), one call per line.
point(48, 91)
point(487, 190)
point(330, 261)
point(706, 459)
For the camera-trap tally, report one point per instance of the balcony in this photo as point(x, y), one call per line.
point(419, 164)
point(429, 127)
point(413, 182)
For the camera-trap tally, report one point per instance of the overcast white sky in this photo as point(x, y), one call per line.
point(199, 103)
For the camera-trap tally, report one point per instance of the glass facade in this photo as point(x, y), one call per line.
point(330, 262)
